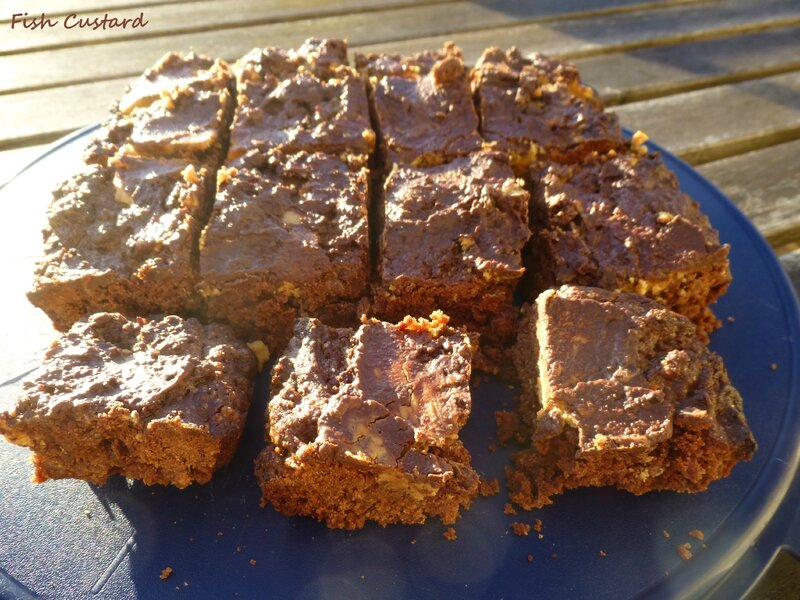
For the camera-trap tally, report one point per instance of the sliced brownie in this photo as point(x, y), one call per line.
point(421, 106)
point(307, 99)
point(364, 425)
point(619, 221)
point(621, 392)
point(452, 239)
point(180, 108)
point(537, 109)
point(122, 233)
point(288, 237)
point(163, 400)
point(123, 238)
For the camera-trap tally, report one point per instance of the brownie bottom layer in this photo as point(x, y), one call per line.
point(688, 462)
point(166, 450)
point(345, 496)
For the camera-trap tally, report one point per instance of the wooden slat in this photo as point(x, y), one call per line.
point(722, 121)
point(24, 122)
point(588, 37)
point(427, 18)
point(52, 68)
point(64, 7)
point(195, 16)
point(765, 185)
point(652, 72)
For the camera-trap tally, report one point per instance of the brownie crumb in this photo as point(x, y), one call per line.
point(697, 534)
point(665, 533)
point(685, 550)
point(414, 541)
point(530, 558)
point(492, 448)
point(489, 487)
point(165, 573)
point(731, 320)
point(508, 509)
point(253, 562)
point(773, 367)
point(238, 548)
point(508, 427)
point(537, 526)
point(520, 529)
point(602, 553)
point(450, 534)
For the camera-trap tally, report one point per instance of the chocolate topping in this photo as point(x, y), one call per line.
point(180, 108)
point(422, 105)
point(398, 393)
point(538, 106)
point(454, 222)
point(624, 371)
point(619, 217)
point(306, 99)
point(297, 218)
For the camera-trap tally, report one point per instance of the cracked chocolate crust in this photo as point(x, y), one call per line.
point(288, 237)
point(308, 99)
point(364, 424)
point(163, 400)
point(421, 106)
point(620, 391)
point(537, 109)
point(619, 221)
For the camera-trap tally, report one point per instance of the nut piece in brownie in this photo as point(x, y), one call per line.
point(422, 106)
point(307, 99)
point(180, 108)
point(452, 239)
point(364, 425)
point(537, 109)
point(123, 238)
point(288, 236)
point(621, 392)
point(620, 222)
point(163, 400)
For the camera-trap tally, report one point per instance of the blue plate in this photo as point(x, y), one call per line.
point(67, 539)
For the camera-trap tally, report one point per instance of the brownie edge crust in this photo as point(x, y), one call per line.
point(364, 425)
point(161, 400)
point(620, 391)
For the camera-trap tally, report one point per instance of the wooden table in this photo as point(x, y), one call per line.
point(717, 82)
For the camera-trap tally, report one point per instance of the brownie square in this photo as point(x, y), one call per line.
point(363, 425)
point(163, 400)
point(422, 106)
point(620, 222)
point(537, 109)
point(180, 108)
point(123, 237)
point(307, 99)
point(452, 239)
point(288, 237)
point(620, 391)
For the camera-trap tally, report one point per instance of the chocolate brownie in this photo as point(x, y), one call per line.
point(620, 222)
point(307, 99)
point(364, 425)
point(536, 109)
point(163, 400)
point(288, 237)
point(422, 106)
point(621, 392)
point(180, 108)
point(123, 237)
point(452, 239)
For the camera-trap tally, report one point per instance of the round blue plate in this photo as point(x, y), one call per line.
point(68, 539)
